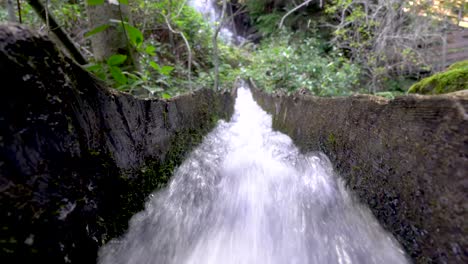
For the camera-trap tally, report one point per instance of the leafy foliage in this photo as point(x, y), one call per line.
point(267, 14)
point(162, 56)
point(283, 64)
point(96, 30)
point(268, 23)
point(390, 38)
point(163, 63)
point(374, 43)
point(95, 2)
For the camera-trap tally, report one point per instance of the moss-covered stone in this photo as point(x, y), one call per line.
point(406, 158)
point(455, 78)
point(459, 65)
point(77, 160)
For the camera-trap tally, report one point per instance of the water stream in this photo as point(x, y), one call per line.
point(246, 195)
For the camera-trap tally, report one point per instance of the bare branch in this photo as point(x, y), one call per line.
point(215, 45)
point(387, 39)
point(58, 31)
point(292, 11)
point(189, 50)
point(19, 11)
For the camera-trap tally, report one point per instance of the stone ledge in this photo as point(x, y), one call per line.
point(77, 159)
point(407, 159)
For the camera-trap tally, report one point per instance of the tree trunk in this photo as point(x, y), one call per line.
point(460, 13)
point(215, 46)
point(57, 30)
point(114, 39)
point(11, 11)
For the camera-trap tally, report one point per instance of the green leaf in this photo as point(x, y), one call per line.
point(166, 70)
point(124, 2)
point(116, 59)
point(134, 34)
point(162, 81)
point(155, 66)
point(118, 75)
point(98, 70)
point(132, 76)
point(166, 96)
point(96, 30)
point(151, 50)
point(94, 67)
point(95, 2)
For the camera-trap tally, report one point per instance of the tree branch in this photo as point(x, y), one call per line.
point(58, 31)
point(215, 45)
point(292, 11)
point(19, 11)
point(189, 50)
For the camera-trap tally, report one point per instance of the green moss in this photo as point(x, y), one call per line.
point(279, 125)
point(331, 139)
point(94, 153)
point(452, 80)
point(458, 65)
point(135, 186)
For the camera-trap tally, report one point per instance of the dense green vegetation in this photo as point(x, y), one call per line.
point(388, 44)
point(326, 48)
point(162, 54)
point(283, 63)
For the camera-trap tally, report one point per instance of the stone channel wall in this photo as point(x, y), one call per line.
point(406, 158)
point(77, 159)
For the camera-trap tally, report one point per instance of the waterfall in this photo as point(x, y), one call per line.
point(209, 12)
point(247, 195)
point(206, 8)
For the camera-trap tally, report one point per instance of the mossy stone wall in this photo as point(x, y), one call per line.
point(77, 159)
point(406, 158)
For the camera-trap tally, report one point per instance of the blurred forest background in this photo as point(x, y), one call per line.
point(161, 48)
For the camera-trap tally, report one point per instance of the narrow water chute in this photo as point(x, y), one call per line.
point(247, 195)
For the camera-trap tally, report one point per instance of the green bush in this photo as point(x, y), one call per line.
point(282, 64)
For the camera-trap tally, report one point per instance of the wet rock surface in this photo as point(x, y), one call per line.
point(77, 160)
point(406, 158)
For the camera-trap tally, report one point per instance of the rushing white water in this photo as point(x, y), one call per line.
point(206, 8)
point(246, 195)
